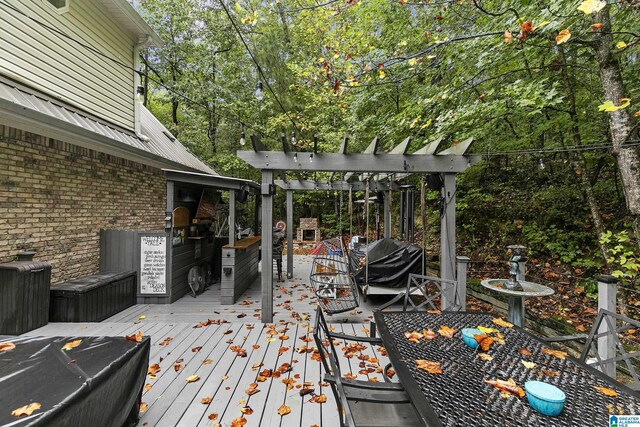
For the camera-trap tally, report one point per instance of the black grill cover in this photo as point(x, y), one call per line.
point(390, 263)
point(98, 383)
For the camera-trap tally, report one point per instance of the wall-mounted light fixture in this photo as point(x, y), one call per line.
point(140, 94)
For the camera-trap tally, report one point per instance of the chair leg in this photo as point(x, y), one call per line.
point(372, 329)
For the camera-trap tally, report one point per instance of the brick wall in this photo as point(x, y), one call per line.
point(55, 197)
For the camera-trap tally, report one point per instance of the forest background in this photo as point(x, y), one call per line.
point(549, 90)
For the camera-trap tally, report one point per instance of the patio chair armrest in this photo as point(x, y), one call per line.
point(346, 337)
point(366, 385)
point(563, 338)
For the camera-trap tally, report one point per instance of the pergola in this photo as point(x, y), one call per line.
point(370, 170)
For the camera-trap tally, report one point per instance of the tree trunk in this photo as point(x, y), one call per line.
point(619, 126)
point(580, 168)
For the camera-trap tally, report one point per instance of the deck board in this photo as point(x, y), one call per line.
point(174, 402)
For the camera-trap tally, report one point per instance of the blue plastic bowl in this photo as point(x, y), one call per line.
point(544, 397)
point(467, 336)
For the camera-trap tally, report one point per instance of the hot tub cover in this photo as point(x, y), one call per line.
point(390, 263)
point(97, 383)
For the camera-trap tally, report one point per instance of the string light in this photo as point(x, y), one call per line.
point(311, 158)
point(541, 164)
point(293, 138)
point(295, 157)
point(242, 140)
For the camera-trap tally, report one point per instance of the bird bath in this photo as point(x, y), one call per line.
point(516, 297)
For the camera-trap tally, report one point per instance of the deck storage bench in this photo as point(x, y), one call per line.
point(24, 296)
point(93, 298)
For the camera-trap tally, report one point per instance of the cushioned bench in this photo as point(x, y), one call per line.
point(92, 298)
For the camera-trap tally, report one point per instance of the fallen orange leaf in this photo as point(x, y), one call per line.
point(284, 410)
point(597, 26)
point(485, 356)
point(26, 409)
point(501, 322)
point(238, 422)
point(555, 353)
point(429, 366)
point(246, 410)
point(606, 391)
point(6, 346)
point(446, 331)
point(321, 398)
point(525, 351)
point(143, 407)
point(507, 386)
point(549, 373)
point(213, 416)
point(207, 362)
point(484, 341)
point(153, 369)
point(563, 36)
point(147, 387)
point(192, 378)
point(206, 400)
point(177, 366)
point(71, 344)
point(428, 334)
point(196, 349)
point(135, 338)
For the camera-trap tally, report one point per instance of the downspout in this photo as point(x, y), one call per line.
point(138, 84)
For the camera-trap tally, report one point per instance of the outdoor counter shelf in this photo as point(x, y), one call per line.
point(96, 383)
point(244, 243)
point(459, 395)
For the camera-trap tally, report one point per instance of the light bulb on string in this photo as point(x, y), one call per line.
point(541, 164)
point(293, 138)
point(295, 157)
point(243, 141)
point(311, 158)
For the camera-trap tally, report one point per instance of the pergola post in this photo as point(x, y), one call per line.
point(267, 246)
point(289, 234)
point(387, 214)
point(402, 221)
point(256, 214)
point(232, 217)
point(448, 234)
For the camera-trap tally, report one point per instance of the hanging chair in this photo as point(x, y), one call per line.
point(331, 278)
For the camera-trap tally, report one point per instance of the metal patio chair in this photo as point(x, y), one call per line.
point(616, 324)
point(420, 295)
point(361, 403)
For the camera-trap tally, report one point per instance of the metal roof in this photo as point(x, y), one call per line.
point(25, 108)
point(164, 144)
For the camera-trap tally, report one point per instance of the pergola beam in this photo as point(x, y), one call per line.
point(308, 185)
point(358, 163)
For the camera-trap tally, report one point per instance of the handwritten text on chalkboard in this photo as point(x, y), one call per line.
point(153, 264)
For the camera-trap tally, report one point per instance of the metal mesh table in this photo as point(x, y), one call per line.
point(459, 396)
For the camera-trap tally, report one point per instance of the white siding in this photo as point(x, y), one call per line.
point(54, 64)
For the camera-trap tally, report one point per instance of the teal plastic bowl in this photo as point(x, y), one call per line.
point(467, 336)
point(545, 398)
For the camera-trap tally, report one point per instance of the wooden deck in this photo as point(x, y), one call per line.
point(183, 350)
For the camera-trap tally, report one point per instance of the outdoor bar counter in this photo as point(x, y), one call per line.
point(239, 267)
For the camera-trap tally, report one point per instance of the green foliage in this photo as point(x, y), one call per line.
point(623, 255)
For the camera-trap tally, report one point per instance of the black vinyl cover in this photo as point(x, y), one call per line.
point(390, 263)
point(98, 383)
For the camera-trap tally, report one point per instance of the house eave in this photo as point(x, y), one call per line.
point(19, 117)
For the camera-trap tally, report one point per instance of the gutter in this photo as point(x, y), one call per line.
point(138, 84)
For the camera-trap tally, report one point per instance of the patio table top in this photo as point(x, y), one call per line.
point(460, 395)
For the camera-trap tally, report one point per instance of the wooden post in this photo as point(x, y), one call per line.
point(462, 281)
point(387, 214)
point(256, 215)
point(289, 234)
point(232, 217)
point(607, 293)
point(448, 228)
point(267, 246)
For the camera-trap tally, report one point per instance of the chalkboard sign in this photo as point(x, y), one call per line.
point(153, 264)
